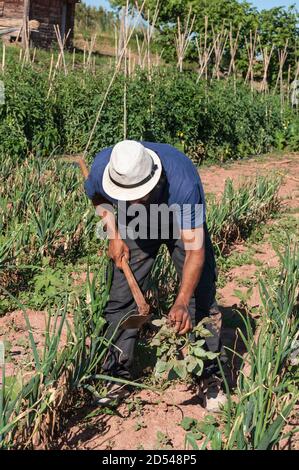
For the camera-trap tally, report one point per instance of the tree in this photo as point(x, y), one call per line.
point(92, 18)
point(273, 27)
point(230, 11)
point(276, 27)
point(219, 13)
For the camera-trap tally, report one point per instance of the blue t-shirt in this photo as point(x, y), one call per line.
point(185, 189)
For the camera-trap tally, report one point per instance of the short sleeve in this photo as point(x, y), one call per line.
point(93, 184)
point(191, 214)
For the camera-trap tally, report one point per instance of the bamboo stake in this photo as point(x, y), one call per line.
point(121, 38)
point(90, 50)
point(3, 57)
point(19, 34)
point(61, 43)
point(148, 40)
point(266, 63)
point(251, 50)
point(25, 35)
point(150, 33)
point(73, 58)
point(117, 68)
point(204, 56)
point(116, 44)
point(204, 52)
point(233, 52)
point(183, 38)
point(129, 62)
point(25, 38)
point(139, 51)
point(295, 90)
point(84, 56)
point(125, 38)
point(289, 80)
point(282, 56)
point(133, 65)
point(33, 56)
point(220, 41)
point(51, 66)
point(144, 52)
point(205, 45)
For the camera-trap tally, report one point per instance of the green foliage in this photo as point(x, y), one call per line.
point(60, 368)
point(207, 429)
point(223, 122)
point(89, 18)
point(163, 441)
point(267, 387)
point(241, 210)
point(48, 287)
point(274, 26)
point(179, 356)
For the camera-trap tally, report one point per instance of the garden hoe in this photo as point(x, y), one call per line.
point(135, 319)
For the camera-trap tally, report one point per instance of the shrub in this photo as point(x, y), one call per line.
point(215, 121)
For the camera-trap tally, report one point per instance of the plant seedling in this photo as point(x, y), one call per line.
point(139, 425)
point(179, 356)
point(164, 441)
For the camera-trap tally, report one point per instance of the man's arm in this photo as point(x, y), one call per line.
point(117, 247)
point(194, 261)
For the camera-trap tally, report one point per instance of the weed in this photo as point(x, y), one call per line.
point(139, 425)
point(163, 441)
point(179, 356)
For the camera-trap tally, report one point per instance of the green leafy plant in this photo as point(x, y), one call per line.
point(206, 431)
point(164, 441)
point(179, 356)
point(267, 387)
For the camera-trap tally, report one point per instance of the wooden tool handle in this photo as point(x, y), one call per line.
point(143, 307)
point(79, 160)
point(83, 167)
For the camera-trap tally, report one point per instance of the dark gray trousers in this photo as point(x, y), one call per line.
point(142, 256)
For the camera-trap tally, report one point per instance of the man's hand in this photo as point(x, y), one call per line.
point(117, 249)
point(180, 319)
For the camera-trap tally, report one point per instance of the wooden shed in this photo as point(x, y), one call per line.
point(47, 12)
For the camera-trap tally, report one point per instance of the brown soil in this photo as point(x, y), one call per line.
point(14, 333)
point(162, 412)
point(214, 178)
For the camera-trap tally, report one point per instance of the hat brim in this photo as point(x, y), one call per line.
point(132, 194)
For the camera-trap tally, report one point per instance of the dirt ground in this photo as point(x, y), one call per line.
point(214, 177)
point(150, 420)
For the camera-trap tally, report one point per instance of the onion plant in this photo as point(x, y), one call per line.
point(267, 387)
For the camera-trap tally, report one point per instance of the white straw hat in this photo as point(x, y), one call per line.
point(132, 172)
